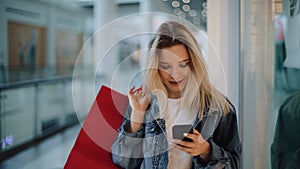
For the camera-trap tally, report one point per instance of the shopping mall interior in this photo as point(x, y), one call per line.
point(56, 55)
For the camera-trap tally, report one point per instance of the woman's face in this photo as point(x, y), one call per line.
point(173, 68)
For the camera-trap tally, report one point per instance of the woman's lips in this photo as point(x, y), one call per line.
point(175, 83)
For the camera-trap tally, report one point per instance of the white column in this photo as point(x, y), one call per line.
point(154, 6)
point(4, 34)
point(151, 21)
point(223, 31)
point(104, 12)
point(145, 6)
point(51, 37)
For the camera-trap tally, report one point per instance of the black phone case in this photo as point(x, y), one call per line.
point(178, 130)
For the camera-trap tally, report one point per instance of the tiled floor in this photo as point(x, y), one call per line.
point(49, 154)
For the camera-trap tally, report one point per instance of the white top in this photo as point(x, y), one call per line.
point(174, 115)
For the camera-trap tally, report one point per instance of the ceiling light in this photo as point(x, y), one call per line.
point(186, 1)
point(196, 21)
point(186, 8)
point(175, 4)
point(192, 13)
point(182, 15)
point(177, 11)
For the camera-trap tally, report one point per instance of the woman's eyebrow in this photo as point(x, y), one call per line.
point(160, 62)
point(185, 60)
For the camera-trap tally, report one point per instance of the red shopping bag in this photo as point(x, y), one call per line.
point(92, 146)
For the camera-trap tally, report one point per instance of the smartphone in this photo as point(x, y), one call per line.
point(178, 130)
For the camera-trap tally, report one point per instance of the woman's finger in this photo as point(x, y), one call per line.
point(194, 137)
point(183, 143)
point(131, 90)
point(196, 132)
point(137, 90)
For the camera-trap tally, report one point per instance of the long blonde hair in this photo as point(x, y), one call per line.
point(199, 92)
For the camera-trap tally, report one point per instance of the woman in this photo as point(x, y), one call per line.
point(176, 90)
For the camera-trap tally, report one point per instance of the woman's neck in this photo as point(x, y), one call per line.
point(174, 95)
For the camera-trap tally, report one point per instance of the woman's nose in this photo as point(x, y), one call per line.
point(174, 73)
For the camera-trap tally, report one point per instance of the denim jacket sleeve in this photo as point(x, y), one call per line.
point(225, 146)
point(127, 149)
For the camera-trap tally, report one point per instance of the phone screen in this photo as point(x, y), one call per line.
point(178, 130)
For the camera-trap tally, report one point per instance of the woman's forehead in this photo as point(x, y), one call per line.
point(176, 53)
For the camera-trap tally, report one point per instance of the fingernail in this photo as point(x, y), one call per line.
point(185, 134)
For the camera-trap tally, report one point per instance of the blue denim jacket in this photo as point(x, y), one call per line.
point(147, 148)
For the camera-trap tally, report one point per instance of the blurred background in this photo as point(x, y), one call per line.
point(56, 54)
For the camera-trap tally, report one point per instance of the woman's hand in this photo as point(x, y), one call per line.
point(139, 102)
point(199, 146)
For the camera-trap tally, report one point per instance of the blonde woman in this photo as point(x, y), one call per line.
point(176, 90)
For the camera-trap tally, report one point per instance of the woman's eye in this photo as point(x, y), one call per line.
point(183, 65)
point(164, 66)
